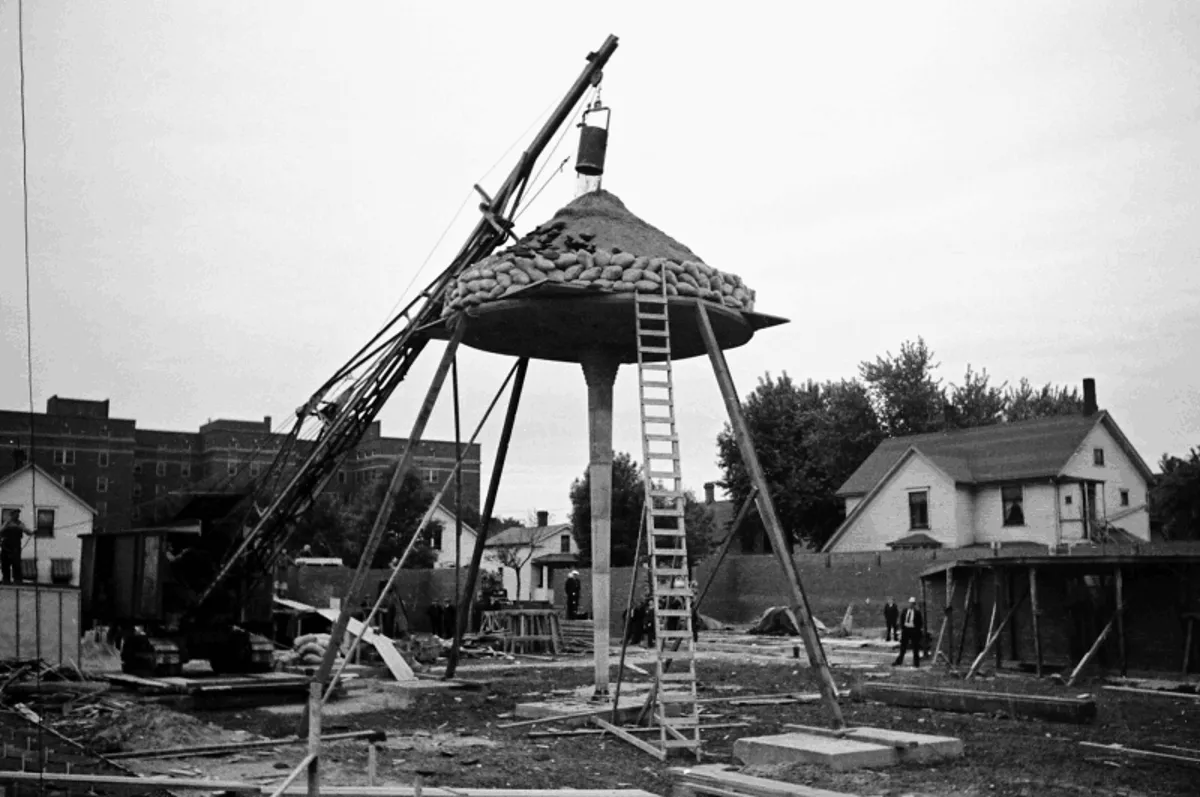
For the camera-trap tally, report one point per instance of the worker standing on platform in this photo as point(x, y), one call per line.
point(12, 538)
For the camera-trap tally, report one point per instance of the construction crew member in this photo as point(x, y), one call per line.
point(912, 631)
point(571, 587)
point(891, 617)
point(12, 537)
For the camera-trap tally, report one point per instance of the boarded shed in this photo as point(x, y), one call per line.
point(1145, 606)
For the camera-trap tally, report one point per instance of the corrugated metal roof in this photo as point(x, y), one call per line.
point(1002, 452)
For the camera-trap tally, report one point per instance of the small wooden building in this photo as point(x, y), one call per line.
point(1129, 612)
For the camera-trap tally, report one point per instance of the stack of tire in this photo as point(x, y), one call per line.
point(546, 255)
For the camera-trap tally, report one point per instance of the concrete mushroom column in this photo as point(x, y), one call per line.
point(600, 371)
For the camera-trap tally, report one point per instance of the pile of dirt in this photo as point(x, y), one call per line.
point(150, 727)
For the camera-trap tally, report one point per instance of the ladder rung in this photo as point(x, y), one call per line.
point(686, 721)
point(677, 677)
point(672, 592)
point(665, 512)
point(651, 316)
point(668, 572)
point(656, 366)
point(665, 474)
point(653, 349)
point(658, 333)
point(663, 438)
point(682, 653)
point(656, 552)
point(656, 383)
point(673, 613)
point(670, 533)
point(678, 743)
point(656, 402)
point(681, 633)
point(651, 298)
point(676, 697)
point(665, 493)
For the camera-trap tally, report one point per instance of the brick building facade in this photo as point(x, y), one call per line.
point(128, 475)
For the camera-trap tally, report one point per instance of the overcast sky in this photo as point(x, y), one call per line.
point(228, 198)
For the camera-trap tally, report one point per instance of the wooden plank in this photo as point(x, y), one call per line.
point(1167, 757)
point(1091, 652)
point(1187, 645)
point(1121, 620)
point(716, 726)
point(1037, 610)
point(994, 636)
point(968, 613)
point(620, 733)
point(1057, 709)
point(715, 779)
point(951, 585)
point(219, 749)
point(1156, 692)
point(770, 519)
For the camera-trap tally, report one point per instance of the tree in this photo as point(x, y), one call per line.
point(628, 491)
point(808, 438)
point(1176, 496)
point(517, 552)
point(975, 402)
point(1024, 402)
point(906, 396)
point(341, 530)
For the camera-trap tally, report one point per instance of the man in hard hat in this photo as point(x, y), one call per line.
point(572, 587)
point(912, 631)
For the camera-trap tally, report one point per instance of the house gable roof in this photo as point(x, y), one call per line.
point(448, 518)
point(1040, 448)
point(909, 453)
point(56, 485)
point(526, 535)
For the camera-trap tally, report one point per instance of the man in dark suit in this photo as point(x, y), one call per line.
point(572, 588)
point(891, 618)
point(912, 631)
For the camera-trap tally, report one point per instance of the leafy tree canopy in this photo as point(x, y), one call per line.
point(1176, 496)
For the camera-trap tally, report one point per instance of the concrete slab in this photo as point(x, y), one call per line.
point(809, 748)
point(580, 712)
point(909, 747)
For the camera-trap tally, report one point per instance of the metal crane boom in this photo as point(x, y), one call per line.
point(351, 412)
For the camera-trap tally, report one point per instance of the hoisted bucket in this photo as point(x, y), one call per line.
point(593, 143)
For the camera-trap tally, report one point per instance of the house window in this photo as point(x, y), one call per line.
point(102, 459)
point(137, 468)
point(564, 543)
point(160, 469)
point(64, 456)
point(102, 484)
point(918, 510)
point(1012, 502)
point(541, 577)
point(1098, 457)
point(433, 536)
point(231, 469)
point(1069, 500)
point(67, 480)
point(185, 469)
point(431, 476)
point(1124, 498)
point(255, 468)
point(45, 523)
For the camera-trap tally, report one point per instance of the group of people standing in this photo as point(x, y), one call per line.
point(907, 625)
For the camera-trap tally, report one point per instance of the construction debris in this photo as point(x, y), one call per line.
point(1080, 710)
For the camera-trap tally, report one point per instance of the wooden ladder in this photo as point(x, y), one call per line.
point(676, 711)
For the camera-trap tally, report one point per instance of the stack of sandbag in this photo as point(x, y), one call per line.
point(503, 274)
point(310, 648)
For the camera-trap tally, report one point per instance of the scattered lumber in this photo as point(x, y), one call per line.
point(1077, 710)
point(620, 733)
point(719, 780)
point(197, 751)
point(1156, 692)
point(1150, 754)
point(628, 728)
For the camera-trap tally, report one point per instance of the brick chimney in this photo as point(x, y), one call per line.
point(1089, 397)
point(543, 518)
point(267, 422)
point(710, 490)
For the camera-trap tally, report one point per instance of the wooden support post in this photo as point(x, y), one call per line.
point(600, 371)
point(770, 520)
point(372, 763)
point(314, 737)
point(458, 454)
point(379, 527)
point(994, 636)
point(968, 614)
point(998, 594)
point(1092, 651)
point(1037, 611)
point(987, 641)
point(1121, 621)
point(1187, 646)
point(485, 519)
point(1014, 653)
point(948, 610)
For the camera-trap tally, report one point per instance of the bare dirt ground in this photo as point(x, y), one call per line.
point(452, 738)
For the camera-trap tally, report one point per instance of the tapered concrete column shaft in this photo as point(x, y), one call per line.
point(600, 372)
